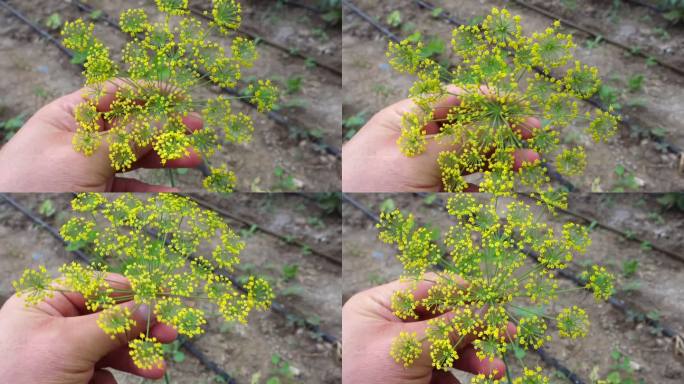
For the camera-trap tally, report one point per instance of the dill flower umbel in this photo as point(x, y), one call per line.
point(154, 86)
point(153, 242)
point(503, 78)
point(483, 280)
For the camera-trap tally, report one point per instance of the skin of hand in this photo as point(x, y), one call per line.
point(369, 327)
point(372, 161)
point(59, 342)
point(41, 157)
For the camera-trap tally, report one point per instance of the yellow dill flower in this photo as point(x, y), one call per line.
point(404, 305)
point(121, 156)
point(499, 89)
point(531, 376)
point(171, 145)
point(412, 141)
point(115, 321)
point(443, 354)
point(133, 21)
point(221, 180)
point(264, 95)
point(573, 322)
point(34, 285)
point(146, 352)
point(600, 281)
point(189, 321)
point(163, 63)
point(406, 348)
point(532, 332)
point(227, 14)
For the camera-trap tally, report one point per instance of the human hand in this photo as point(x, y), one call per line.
point(372, 161)
point(59, 342)
point(41, 157)
point(369, 327)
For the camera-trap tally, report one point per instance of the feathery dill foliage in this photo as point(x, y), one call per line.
point(151, 242)
point(161, 65)
point(503, 77)
point(483, 280)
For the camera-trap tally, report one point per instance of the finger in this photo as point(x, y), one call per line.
point(391, 117)
point(528, 127)
point(441, 377)
point(152, 161)
point(102, 376)
point(164, 333)
point(84, 333)
point(120, 359)
point(441, 110)
point(469, 362)
point(123, 184)
point(524, 155)
point(71, 304)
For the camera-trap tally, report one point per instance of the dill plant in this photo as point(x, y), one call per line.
point(502, 77)
point(482, 279)
point(152, 243)
point(161, 65)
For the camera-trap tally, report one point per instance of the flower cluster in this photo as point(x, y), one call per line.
point(152, 88)
point(483, 278)
point(503, 79)
point(152, 243)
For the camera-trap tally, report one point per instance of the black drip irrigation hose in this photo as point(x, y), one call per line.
point(185, 343)
point(370, 20)
point(298, 4)
point(36, 28)
point(626, 120)
point(548, 359)
point(207, 362)
point(558, 366)
point(278, 118)
point(287, 239)
point(647, 5)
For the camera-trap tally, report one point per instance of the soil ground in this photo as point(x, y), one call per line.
point(244, 351)
point(656, 286)
point(35, 72)
point(369, 83)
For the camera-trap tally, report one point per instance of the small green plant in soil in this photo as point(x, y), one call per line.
point(674, 10)
point(394, 19)
point(150, 93)
point(9, 127)
point(152, 243)
point(499, 89)
point(621, 372)
point(483, 280)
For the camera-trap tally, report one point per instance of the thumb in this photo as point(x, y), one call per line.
point(93, 343)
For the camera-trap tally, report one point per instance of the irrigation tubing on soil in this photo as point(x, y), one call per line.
point(615, 302)
point(187, 344)
point(646, 5)
point(284, 238)
point(548, 359)
point(370, 20)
